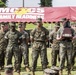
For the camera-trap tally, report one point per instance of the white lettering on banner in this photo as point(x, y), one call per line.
point(20, 16)
point(28, 16)
point(5, 16)
point(12, 10)
point(36, 10)
point(21, 13)
point(13, 16)
point(8, 10)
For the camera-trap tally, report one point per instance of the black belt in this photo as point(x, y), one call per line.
point(67, 40)
point(39, 41)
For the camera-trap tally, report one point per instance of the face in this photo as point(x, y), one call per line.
point(63, 22)
point(6, 27)
point(20, 28)
point(12, 28)
point(24, 26)
point(39, 24)
point(57, 28)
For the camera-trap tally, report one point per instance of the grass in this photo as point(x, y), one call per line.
point(32, 26)
point(39, 68)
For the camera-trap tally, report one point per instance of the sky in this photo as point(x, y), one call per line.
point(34, 3)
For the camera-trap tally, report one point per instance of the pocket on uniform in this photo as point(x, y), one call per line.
point(35, 45)
point(62, 45)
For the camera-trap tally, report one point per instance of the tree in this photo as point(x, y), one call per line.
point(2, 4)
point(46, 3)
point(5, 1)
point(42, 3)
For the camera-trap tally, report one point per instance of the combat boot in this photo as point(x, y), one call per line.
point(33, 73)
point(60, 72)
point(27, 69)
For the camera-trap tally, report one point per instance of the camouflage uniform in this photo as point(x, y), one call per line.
point(3, 44)
point(13, 48)
point(24, 48)
point(74, 51)
point(65, 49)
point(55, 47)
point(39, 47)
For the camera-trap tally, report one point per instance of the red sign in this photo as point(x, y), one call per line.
point(48, 14)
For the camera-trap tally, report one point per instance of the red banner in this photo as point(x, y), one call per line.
point(48, 14)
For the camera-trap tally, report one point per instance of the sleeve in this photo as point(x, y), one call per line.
point(47, 34)
point(19, 35)
point(51, 35)
point(27, 36)
point(6, 35)
point(32, 33)
point(73, 32)
point(58, 34)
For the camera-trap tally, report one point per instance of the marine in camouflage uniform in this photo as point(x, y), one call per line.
point(65, 47)
point(24, 46)
point(3, 43)
point(13, 38)
point(39, 36)
point(55, 45)
point(74, 49)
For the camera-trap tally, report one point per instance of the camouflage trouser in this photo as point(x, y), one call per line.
point(54, 54)
point(73, 56)
point(10, 51)
point(25, 53)
point(39, 48)
point(65, 51)
point(2, 58)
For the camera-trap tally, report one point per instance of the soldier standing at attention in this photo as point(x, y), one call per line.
point(39, 36)
point(74, 48)
point(65, 35)
point(13, 38)
point(24, 46)
point(55, 44)
point(3, 43)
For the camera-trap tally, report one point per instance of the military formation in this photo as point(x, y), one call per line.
point(14, 43)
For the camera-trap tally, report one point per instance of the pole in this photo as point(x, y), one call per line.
point(23, 3)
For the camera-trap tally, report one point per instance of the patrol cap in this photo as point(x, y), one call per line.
point(39, 20)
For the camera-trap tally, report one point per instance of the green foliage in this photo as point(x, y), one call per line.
point(48, 3)
point(2, 4)
point(45, 3)
point(46, 25)
point(4, 1)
